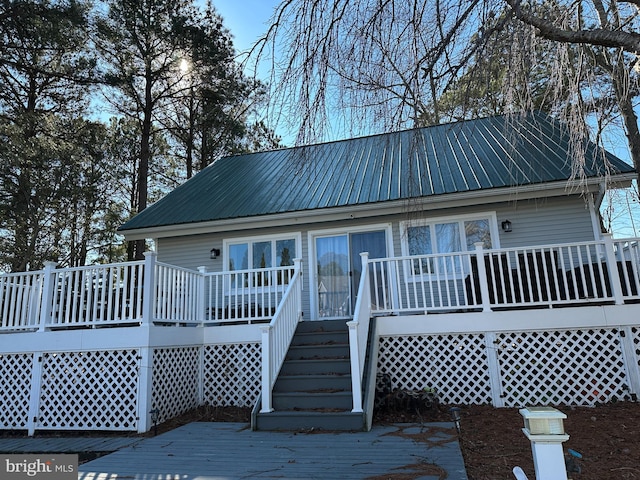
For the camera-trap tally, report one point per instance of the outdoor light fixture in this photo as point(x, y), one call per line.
point(155, 413)
point(506, 226)
point(455, 417)
point(215, 253)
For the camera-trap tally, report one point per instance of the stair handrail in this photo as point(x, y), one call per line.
point(277, 335)
point(359, 333)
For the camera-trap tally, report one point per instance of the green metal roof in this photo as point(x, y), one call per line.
point(489, 153)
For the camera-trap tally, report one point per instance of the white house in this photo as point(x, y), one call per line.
point(463, 258)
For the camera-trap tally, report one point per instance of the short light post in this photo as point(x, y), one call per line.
point(544, 427)
point(455, 417)
point(155, 414)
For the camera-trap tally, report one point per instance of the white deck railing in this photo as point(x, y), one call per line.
point(133, 293)
point(251, 295)
point(588, 272)
point(20, 297)
point(359, 333)
point(277, 336)
point(178, 298)
point(95, 295)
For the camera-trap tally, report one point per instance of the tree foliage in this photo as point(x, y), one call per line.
point(74, 166)
point(388, 64)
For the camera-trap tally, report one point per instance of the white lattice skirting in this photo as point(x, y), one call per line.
point(112, 389)
point(514, 369)
point(103, 390)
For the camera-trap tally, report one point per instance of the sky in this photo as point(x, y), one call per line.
point(246, 19)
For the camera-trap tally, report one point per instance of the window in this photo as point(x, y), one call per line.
point(262, 253)
point(443, 236)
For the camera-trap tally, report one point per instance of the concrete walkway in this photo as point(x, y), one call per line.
point(217, 451)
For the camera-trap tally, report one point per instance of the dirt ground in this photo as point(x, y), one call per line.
point(492, 442)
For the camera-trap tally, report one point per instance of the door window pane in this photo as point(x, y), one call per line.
point(333, 276)
point(447, 237)
point(477, 231)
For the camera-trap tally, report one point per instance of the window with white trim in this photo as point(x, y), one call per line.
point(439, 237)
point(262, 253)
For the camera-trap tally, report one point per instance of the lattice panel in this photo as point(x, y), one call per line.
point(176, 384)
point(455, 365)
point(635, 331)
point(89, 390)
point(232, 374)
point(580, 367)
point(15, 385)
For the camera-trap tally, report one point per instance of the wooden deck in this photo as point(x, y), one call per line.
point(65, 444)
point(208, 451)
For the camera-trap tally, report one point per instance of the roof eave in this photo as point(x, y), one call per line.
point(449, 200)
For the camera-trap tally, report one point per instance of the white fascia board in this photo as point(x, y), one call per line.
point(436, 202)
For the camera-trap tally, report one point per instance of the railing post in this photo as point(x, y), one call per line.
point(482, 277)
point(48, 290)
point(354, 354)
point(149, 290)
point(145, 383)
point(266, 369)
point(34, 397)
point(612, 267)
point(493, 368)
point(631, 358)
point(297, 267)
point(201, 301)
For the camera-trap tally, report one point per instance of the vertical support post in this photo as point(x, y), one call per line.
point(548, 458)
point(202, 296)
point(34, 394)
point(149, 291)
point(493, 366)
point(612, 267)
point(266, 369)
point(48, 292)
point(201, 359)
point(631, 359)
point(482, 277)
point(145, 386)
point(356, 385)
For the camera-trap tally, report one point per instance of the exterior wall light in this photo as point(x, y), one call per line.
point(506, 226)
point(215, 253)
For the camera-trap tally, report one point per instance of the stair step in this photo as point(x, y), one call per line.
point(320, 338)
point(309, 352)
point(316, 366)
point(287, 421)
point(312, 383)
point(322, 326)
point(341, 400)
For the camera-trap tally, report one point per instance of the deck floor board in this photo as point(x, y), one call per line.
point(208, 451)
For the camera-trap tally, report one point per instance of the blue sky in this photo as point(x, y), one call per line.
point(246, 19)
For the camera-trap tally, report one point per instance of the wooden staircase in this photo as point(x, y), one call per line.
point(313, 389)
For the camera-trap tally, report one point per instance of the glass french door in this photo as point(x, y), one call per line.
point(339, 268)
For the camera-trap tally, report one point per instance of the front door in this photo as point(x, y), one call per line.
point(339, 267)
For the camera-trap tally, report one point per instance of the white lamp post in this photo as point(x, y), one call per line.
point(544, 428)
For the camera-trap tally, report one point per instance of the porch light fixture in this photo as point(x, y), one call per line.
point(215, 253)
point(506, 226)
